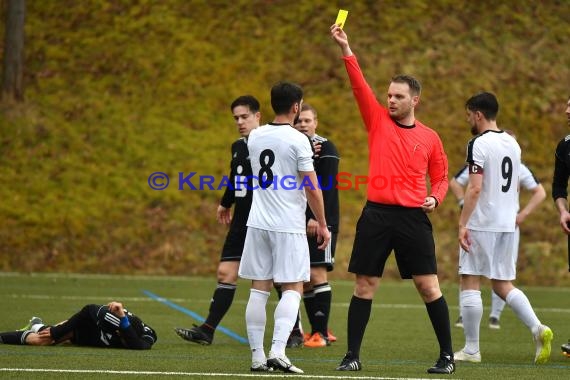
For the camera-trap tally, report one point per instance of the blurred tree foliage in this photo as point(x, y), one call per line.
point(119, 89)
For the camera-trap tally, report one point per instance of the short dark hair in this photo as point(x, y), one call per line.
point(284, 95)
point(308, 107)
point(413, 83)
point(484, 102)
point(246, 100)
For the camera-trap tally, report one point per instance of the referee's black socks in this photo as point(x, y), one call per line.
point(358, 316)
point(439, 315)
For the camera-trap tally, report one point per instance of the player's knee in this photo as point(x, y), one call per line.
point(318, 275)
point(227, 277)
point(228, 273)
point(365, 287)
point(364, 293)
point(429, 292)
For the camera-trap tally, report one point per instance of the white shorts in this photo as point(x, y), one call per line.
point(281, 256)
point(492, 254)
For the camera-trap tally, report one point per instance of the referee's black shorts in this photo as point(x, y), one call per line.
point(383, 228)
point(233, 246)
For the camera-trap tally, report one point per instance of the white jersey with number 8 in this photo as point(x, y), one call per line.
point(278, 152)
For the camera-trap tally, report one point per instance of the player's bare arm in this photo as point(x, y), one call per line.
point(470, 201)
point(117, 309)
point(315, 201)
point(340, 37)
point(562, 206)
point(317, 148)
point(430, 203)
point(312, 226)
point(538, 195)
point(457, 190)
point(223, 215)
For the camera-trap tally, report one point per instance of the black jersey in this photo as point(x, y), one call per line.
point(240, 192)
point(326, 168)
point(561, 169)
point(96, 326)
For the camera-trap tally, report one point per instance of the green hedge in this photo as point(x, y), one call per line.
point(116, 90)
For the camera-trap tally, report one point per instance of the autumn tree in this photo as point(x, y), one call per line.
point(13, 62)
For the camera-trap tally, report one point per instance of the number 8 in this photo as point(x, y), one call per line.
point(265, 170)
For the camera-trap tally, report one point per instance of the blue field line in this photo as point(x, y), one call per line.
point(194, 315)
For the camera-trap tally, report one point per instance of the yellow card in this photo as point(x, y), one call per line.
point(341, 17)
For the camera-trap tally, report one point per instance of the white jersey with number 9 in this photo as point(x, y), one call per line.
point(497, 157)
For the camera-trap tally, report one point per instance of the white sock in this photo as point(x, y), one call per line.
point(472, 311)
point(460, 304)
point(520, 304)
point(255, 318)
point(35, 328)
point(497, 306)
point(285, 317)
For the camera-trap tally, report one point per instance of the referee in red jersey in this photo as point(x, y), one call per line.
point(402, 152)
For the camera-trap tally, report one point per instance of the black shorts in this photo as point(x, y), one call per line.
point(233, 246)
point(89, 325)
point(322, 258)
point(383, 228)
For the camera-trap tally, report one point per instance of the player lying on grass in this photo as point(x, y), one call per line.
point(107, 326)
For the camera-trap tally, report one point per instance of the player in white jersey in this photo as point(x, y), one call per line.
point(276, 248)
point(528, 182)
point(487, 229)
point(278, 153)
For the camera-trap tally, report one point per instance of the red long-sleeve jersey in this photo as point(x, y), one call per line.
point(399, 156)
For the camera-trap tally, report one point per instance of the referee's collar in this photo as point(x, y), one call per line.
point(405, 126)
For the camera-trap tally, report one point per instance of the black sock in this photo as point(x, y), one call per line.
point(358, 316)
point(219, 306)
point(14, 337)
point(321, 307)
point(309, 301)
point(297, 322)
point(439, 316)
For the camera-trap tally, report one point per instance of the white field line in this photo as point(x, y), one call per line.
point(190, 374)
point(193, 301)
point(212, 279)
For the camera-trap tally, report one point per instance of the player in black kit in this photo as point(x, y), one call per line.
point(317, 293)
point(560, 192)
point(245, 110)
point(106, 326)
